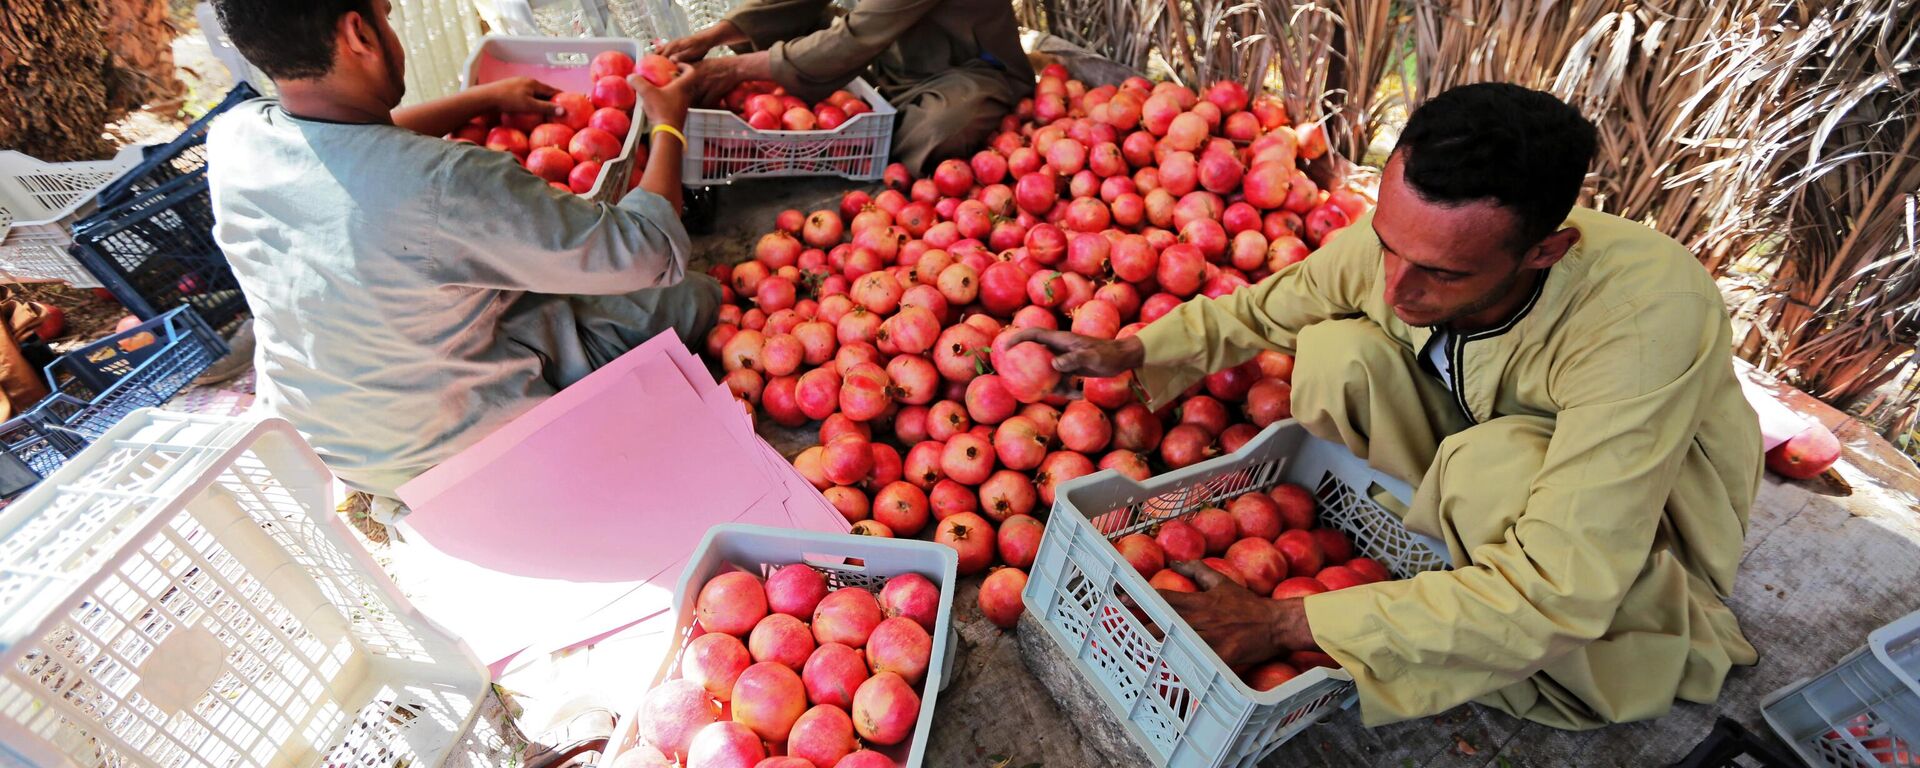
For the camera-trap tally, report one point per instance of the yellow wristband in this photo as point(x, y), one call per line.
point(670, 130)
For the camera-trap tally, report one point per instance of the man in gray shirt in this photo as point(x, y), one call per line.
point(411, 294)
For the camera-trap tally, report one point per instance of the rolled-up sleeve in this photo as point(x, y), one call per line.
point(815, 65)
point(766, 22)
point(509, 230)
point(1206, 335)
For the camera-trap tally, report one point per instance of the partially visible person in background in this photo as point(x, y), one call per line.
point(411, 294)
point(952, 68)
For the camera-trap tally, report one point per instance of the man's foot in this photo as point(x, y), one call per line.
point(573, 739)
point(238, 361)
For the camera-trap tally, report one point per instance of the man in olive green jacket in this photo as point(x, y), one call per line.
point(952, 68)
point(1556, 382)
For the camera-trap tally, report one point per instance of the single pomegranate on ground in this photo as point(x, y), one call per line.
point(1000, 596)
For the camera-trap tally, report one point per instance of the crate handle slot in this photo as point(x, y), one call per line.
point(1379, 494)
point(834, 562)
point(567, 59)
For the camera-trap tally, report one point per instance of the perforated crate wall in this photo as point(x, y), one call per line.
point(1163, 684)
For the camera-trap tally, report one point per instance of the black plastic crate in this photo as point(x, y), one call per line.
point(33, 450)
point(183, 156)
point(156, 252)
point(1729, 745)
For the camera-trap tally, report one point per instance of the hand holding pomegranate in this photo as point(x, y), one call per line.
point(517, 94)
point(667, 104)
point(1085, 355)
point(1242, 627)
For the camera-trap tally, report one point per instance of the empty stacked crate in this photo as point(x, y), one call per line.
point(151, 243)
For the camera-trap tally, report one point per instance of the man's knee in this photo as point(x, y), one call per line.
point(1520, 440)
point(946, 125)
point(1481, 477)
point(1332, 355)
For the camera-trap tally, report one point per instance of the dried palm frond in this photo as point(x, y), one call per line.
point(1841, 153)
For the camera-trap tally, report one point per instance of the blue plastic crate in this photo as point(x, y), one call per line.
point(183, 156)
point(97, 385)
point(157, 252)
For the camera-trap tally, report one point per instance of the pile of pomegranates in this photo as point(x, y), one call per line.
point(767, 106)
point(568, 150)
point(790, 673)
point(1096, 210)
point(1267, 542)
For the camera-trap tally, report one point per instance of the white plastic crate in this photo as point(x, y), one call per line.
point(39, 202)
point(722, 148)
point(1865, 712)
point(564, 63)
point(182, 593)
point(1172, 693)
point(847, 561)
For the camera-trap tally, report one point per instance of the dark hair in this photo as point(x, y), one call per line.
point(1522, 149)
point(287, 39)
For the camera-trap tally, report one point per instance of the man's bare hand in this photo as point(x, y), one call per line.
point(1079, 355)
point(685, 50)
point(694, 47)
point(519, 94)
point(1240, 626)
point(667, 104)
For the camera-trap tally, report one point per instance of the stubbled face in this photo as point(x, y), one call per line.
point(395, 54)
point(1443, 262)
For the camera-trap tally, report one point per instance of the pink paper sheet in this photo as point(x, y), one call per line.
point(593, 560)
point(604, 492)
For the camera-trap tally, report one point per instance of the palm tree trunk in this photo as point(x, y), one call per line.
point(69, 67)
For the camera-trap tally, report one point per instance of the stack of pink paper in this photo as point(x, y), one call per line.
point(575, 519)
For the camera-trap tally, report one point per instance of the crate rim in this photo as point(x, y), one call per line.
point(1875, 647)
point(125, 160)
point(882, 108)
point(114, 193)
point(1903, 628)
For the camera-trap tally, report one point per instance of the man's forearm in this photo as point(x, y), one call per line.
point(724, 32)
point(662, 174)
point(749, 66)
point(441, 116)
point(1290, 628)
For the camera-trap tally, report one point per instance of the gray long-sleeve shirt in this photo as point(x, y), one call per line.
point(380, 264)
